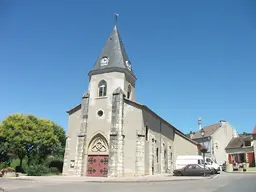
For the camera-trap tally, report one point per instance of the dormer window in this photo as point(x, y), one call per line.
point(102, 88)
point(247, 143)
point(129, 91)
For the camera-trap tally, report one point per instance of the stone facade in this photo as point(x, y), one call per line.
point(81, 140)
point(140, 153)
point(110, 134)
point(170, 159)
point(116, 153)
point(66, 162)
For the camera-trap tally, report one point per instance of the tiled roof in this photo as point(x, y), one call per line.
point(208, 131)
point(254, 130)
point(176, 130)
point(238, 142)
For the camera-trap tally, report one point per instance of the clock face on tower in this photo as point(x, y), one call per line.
point(104, 61)
point(128, 65)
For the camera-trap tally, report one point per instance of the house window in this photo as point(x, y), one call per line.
point(102, 88)
point(146, 133)
point(247, 143)
point(157, 154)
point(129, 91)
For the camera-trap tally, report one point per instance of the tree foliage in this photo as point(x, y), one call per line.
point(245, 133)
point(60, 133)
point(28, 135)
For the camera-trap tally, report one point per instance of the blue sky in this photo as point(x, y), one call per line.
point(191, 58)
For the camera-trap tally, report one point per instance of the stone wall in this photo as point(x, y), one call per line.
point(66, 155)
point(79, 160)
point(153, 157)
point(170, 161)
point(150, 153)
point(116, 150)
point(162, 159)
point(140, 153)
point(81, 138)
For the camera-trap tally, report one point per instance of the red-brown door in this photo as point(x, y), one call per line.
point(97, 166)
point(230, 158)
point(250, 157)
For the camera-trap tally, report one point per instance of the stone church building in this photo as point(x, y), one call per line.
point(110, 133)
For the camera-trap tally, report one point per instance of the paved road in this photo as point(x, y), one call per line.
point(223, 183)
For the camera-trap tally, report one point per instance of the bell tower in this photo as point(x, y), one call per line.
point(111, 80)
point(112, 69)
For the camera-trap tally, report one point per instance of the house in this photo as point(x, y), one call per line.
point(110, 133)
point(215, 140)
point(241, 150)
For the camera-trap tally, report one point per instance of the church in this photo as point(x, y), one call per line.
point(110, 134)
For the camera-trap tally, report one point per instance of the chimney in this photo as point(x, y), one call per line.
point(191, 135)
point(222, 122)
point(254, 133)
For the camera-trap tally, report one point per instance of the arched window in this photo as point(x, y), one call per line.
point(102, 88)
point(157, 154)
point(129, 91)
point(146, 133)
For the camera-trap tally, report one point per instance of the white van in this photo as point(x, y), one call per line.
point(184, 160)
point(212, 164)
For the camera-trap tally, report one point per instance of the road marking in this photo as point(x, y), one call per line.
point(215, 176)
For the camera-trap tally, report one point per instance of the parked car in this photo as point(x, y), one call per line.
point(184, 160)
point(224, 165)
point(193, 170)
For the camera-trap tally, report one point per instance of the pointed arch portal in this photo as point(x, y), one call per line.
point(97, 161)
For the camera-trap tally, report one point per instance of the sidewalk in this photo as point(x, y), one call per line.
point(35, 181)
point(151, 178)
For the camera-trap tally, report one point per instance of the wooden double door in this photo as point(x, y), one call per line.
point(97, 165)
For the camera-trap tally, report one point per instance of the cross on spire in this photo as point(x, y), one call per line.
point(116, 17)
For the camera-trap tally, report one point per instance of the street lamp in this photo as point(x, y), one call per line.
point(203, 150)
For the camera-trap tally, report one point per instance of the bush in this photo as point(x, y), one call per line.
point(58, 164)
point(3, 165)
point(54, 170)
point(15, 163)
point(19, 169)
point(37, 170)
point(8, 169)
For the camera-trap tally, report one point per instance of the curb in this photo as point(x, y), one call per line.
point(246, 172)
point(150, 181)
point(131, 181)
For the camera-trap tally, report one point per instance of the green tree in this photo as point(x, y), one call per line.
point(18, 132)
point(60, 133)
point(244, 133)
point(28, 135)
point(47, 141)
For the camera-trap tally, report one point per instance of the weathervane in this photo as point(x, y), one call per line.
point(116, 17)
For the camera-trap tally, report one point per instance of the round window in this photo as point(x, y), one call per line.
point(100, 113)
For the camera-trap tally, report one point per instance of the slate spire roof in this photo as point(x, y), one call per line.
point(113, 57)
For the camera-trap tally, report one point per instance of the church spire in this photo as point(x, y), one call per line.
point(113, 57)
point(116, 18)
